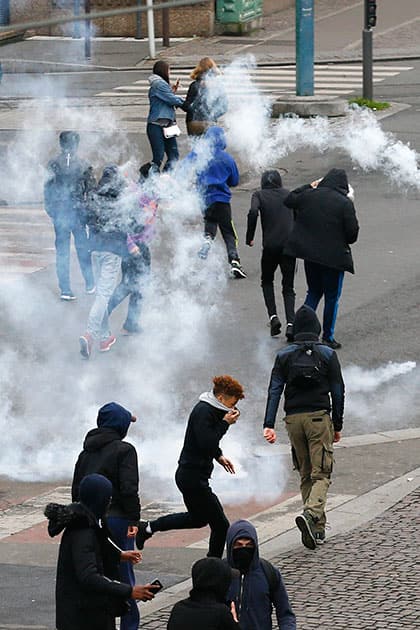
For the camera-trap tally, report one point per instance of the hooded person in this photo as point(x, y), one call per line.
point(89, 593)
point(276, 224)
point(310, 375)
point(105, 452)
point(325, 227)
point(209, 420)
point(257, 586)
point(67, 186)
point(206, 607)
point(216, 174)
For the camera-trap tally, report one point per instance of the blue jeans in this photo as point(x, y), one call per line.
point(327, 283)
point(107, 268)
point(118, 527)
point(134, 272)
point(63, 234)
point(161, 145)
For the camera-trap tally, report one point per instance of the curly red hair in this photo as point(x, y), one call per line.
point(229, 386)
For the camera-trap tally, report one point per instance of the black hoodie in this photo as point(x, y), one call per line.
point(276, 218)
point(325, 222)
point(328, 394)
point(205, 608)
point(105, 452)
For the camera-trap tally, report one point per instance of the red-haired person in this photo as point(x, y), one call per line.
point(208, 422)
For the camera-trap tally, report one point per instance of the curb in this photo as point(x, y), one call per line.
point(346, 517)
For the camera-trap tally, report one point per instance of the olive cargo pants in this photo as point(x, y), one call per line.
point(311, 437)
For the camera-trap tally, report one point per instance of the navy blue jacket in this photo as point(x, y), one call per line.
point(251, 591)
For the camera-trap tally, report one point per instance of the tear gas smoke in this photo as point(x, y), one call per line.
point(48, 399)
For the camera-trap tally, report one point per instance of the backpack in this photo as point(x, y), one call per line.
point(271, 576)
point(304, 365)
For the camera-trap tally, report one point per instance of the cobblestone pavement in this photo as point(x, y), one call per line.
point(367, 579)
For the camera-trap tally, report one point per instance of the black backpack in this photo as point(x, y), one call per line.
point(271, 575)
point(304, 365)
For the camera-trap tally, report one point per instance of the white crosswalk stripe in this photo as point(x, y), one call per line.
point(26, 241)
point(275, 80)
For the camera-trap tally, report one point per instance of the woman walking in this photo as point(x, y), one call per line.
point(163, 100)
point(206, 97)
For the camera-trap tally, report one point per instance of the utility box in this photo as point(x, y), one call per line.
point(238, 16)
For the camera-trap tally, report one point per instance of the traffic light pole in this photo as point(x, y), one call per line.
point(367, 41)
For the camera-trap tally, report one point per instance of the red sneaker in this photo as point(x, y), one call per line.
point(106, 344)
point(86, 343)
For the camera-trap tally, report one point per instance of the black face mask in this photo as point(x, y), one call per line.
point(242, 558)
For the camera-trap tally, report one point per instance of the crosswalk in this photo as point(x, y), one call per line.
point(26, 241)
point(330, 80)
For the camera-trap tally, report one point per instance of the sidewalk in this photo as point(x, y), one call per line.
point(338, 31)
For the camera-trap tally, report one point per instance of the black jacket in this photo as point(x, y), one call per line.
point(104, 452)
point(88, 591)
point(325, 223)
point(276, 218)
point(205, 608)
point(328, 394)
point(205, 429)
point(203, 104)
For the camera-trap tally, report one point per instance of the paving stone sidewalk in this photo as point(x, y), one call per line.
point(367, 579)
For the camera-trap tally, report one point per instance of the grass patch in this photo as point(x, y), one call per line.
point(375, 105)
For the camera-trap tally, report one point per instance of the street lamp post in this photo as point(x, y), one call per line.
point(304, 47)
point(367, 42)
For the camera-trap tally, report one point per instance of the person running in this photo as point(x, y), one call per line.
point(325, 227)
point(276, 223)
point(88, 593)
point(209, 420)
point(108, 235)
point(162, 101)
point(69, 182)
point(214, 180)
point(206, 97)
point(310, 374)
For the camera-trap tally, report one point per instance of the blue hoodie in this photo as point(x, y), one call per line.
point(220, 172)
point(251, 592)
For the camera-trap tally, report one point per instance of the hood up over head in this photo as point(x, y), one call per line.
point(69, 141)
point(210, 577)
point(112, 182)
point(114, 416)
point(336, 179)
point(242, 529)
point(271, 179)
point(216, 136)
point(306, 323)
point(95, 493)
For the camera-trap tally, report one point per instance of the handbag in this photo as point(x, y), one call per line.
point(171, 131)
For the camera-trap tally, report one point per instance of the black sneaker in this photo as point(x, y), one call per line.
point(142, 535)
point(236, 269)
point(289, 332)
point(275, 326)
point(305, 523)
point(320, 538)
point(333, 343)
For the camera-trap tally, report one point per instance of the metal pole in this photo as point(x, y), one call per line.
point(165, 28)
point(151, 29)
point(138, 22)
point(87, 32)
point(76, 26)
point(367, 64)
point(304, 47)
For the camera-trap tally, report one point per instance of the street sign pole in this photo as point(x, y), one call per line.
point(304, 47)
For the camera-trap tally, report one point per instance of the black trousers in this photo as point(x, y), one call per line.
point(204, 508)
point(270, 260)
point(219, 214)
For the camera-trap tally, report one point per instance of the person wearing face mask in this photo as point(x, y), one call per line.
point(259, 587)
point(89, 594)
point(209, 420)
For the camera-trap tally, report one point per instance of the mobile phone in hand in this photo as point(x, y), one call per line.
point(157, 584)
